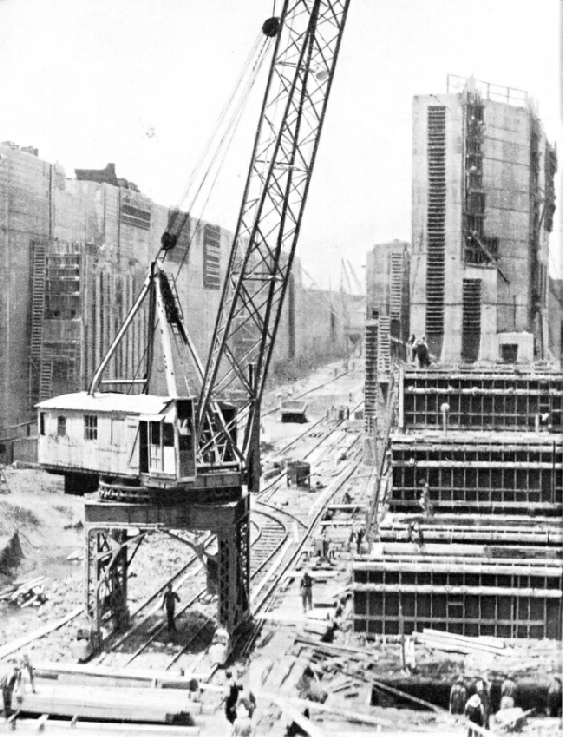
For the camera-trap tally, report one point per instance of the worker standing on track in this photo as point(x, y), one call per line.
point(169, 603)
point(306, 590)
point(26, 675)
point(8, 683)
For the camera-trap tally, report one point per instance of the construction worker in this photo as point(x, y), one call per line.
point(508, 693)
point(424, 501)
point(484, 694)
point(326, 543)
point(475, 714)
point(8, 683)
point(359, 538)
point(243, 725)
point(458, 697)
point(169, 603)
point(411, 351)
point(306, 590)
point(554, 697)
point(422, 352)
point(26, 673)
point(220, 647)
point(231, 697)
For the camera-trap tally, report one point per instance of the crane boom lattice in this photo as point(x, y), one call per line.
point(263, 249)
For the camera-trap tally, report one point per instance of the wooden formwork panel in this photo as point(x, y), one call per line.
point(494, 598)
point(480, 400)
point(483, 473)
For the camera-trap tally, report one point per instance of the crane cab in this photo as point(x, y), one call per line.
point(139, 440)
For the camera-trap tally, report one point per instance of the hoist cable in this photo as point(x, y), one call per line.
point(222, 116)
point(222, 150)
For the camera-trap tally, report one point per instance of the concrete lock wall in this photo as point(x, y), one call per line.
point(25, 198)
point(100, 239)
point(512, 148)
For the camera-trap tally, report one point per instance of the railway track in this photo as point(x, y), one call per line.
point(278, 534)
point(277, 537)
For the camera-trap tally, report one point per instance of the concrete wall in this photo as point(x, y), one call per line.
point(449, 348)
point(506, 178)
point(513, 147)
point(387, 290)
point(91, 222)
point(25, 202)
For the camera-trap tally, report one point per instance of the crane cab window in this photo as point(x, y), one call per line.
point(155, 433)
point(61, 426)
point(90, 427)
point(167, 434)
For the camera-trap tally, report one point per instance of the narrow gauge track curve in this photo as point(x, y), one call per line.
point(269, 533)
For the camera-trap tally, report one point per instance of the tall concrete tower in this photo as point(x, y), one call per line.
point(483, 204)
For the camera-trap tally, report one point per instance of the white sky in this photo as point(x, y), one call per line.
point(84, 80)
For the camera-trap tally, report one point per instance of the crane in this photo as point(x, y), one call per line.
point(187, 457)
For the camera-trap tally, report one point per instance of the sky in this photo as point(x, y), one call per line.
point(141, 83)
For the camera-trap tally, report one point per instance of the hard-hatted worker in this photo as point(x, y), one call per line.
point(508, 693)
point(169, 603)
point(8, 683)
point(475, 713)
point(458, 697)
point(306, 590)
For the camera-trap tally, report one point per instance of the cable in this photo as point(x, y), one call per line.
point(222, 149)
point(256, 51)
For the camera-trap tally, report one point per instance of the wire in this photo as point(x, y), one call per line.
point(243, 82)
point(222, 149)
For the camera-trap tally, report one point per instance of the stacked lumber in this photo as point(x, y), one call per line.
point(93, 729)
point(27, 593)
point(450, 642)
point(98, 702)
point(82, 674)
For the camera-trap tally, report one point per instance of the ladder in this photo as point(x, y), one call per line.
point(45, 380)
point(39, 259)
